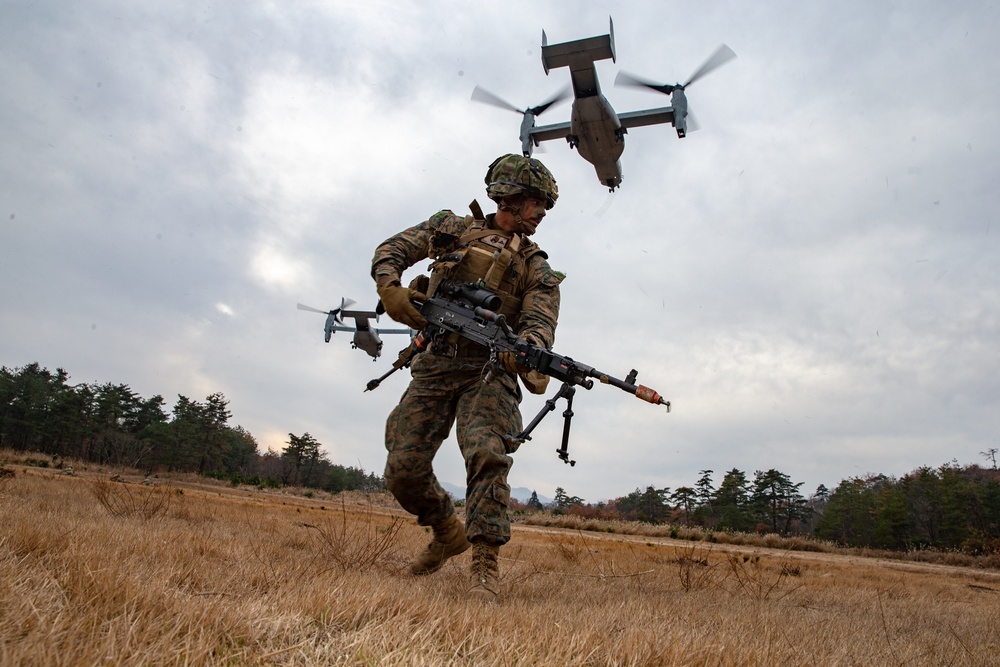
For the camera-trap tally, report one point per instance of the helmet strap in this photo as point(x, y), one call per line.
point(507, 204)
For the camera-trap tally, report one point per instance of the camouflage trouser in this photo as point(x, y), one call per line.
point(445, 392)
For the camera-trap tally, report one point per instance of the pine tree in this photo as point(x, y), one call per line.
point(534, 503)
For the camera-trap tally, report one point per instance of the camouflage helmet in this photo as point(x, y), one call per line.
point(515, 174)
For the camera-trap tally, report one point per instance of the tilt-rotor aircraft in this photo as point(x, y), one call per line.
point(366, 337)
point(594, 129)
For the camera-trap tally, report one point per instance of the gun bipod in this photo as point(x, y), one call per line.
point(566, 391)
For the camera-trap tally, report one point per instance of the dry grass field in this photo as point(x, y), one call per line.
point(101, 572)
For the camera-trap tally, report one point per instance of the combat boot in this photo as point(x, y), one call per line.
point(485, 581)
point(449, 540)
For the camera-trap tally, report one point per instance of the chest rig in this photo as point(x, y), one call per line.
point(490, 258)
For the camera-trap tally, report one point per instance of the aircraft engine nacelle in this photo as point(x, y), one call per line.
point(328, 328)
point(527, 125)
point(678, 100)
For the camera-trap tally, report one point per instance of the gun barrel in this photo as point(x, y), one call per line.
point(641, 391)
point(651, 396)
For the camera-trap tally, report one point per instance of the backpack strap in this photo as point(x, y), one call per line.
point(477, 211)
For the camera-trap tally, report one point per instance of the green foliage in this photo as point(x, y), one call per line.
point(950, 508)
point(732, 503)
point(534, 503)
point(111, 424)
point(649, 505)
point(777, 501)
point(562, 501)
point(685, 499)
point(305, 459)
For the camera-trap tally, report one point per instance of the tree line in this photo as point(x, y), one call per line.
point(770, 502)
point(952, 507)
point(111, 424)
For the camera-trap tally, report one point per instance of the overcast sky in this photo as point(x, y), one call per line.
point(812, 278)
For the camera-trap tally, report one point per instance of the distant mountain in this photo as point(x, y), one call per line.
point(521, 493)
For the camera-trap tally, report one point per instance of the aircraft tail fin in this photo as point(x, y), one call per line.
point(585, 50)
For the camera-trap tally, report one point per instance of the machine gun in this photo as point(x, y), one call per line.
point(471, 312)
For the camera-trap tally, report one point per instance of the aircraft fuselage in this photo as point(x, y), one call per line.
point(597, 136)
point(595, 130)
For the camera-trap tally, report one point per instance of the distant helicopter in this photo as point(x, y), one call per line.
point(366, 337)
point(594, 129)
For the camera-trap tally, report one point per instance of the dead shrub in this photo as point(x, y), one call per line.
point(128, 500)
point(791, 569)
point(6, 477)
point(755, 580)
point(693, 568)
point(566, 549)
point(356, 544)
point(773, 541)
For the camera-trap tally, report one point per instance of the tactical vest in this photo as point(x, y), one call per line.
point(490, 258)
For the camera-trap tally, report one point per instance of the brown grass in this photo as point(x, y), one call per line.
point(754, 540)
point(224, 576)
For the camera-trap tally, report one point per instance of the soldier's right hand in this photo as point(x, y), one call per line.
point(396, 301)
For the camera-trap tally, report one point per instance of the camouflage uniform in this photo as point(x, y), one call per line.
point(450, 390)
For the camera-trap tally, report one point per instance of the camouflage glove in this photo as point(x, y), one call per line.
point(396, 301)
point(533, 381)
point(508, 361)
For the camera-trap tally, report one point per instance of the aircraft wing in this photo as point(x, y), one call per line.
point(550, 132)
point(411, 332)
point(646, 117)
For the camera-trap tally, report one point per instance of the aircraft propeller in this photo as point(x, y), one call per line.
point(527, 145)
point(720, 57)
point(334, 317)
point(486, 97)
point(336, 312)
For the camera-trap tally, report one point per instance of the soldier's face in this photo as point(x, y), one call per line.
point(530, 209)
point(533, 210)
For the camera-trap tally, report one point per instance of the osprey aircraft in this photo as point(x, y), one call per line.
point(594, 129)
point(366, 337)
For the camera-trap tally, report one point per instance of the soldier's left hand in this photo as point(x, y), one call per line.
point(397, 303)
point(508, 361)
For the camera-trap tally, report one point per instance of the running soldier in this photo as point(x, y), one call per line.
point(495, 252)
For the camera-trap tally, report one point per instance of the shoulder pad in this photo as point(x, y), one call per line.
point(446, 221)
point(439, 217)
point(530, 249)
point(547, 275)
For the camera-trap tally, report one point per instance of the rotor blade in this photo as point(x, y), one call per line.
point(346, 303)
point(558, 97)
point(722, 55)
point(626, 79)
point(692, 123)
point(486, 97)
point(311, 309)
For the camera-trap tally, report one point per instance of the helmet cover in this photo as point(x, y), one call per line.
point(518, 175)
